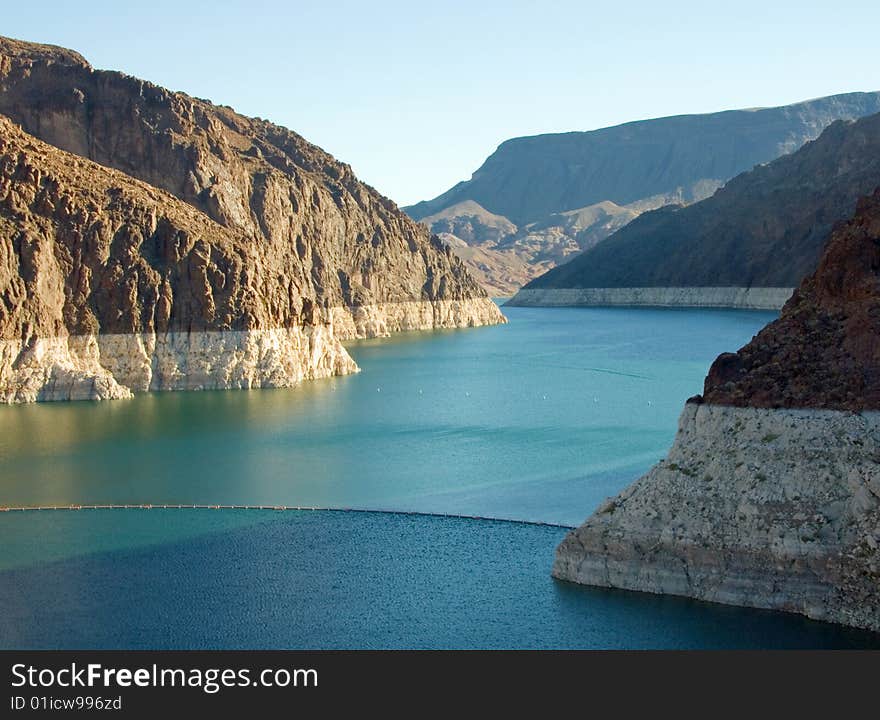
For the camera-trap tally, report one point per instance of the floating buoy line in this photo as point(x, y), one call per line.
point(277, 508)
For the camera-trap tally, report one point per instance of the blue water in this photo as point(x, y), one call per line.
point(333, 580)
point(537, 420)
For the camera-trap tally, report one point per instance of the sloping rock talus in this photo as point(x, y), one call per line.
point(770, 495)
point(282, 243)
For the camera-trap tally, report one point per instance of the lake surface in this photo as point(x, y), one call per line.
point(540, 419)
point(346, 580)
point(537, 420)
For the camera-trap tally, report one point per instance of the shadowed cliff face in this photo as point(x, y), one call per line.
point(824, 351)
point(335, 241)
point(765, 228)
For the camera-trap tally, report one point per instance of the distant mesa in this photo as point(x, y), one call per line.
point(515, 208)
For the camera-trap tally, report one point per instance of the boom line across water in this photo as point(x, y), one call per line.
point(279, 508)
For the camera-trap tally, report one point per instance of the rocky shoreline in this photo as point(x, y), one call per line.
point(384, 319)
point(108, 367)
point(115, 366)
point(770, 495)
point(743, 298)
point(768, 508)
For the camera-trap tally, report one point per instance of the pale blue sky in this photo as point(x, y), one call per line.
point(415, 97)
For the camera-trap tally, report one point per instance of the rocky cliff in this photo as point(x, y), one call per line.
point(764, 229)
point(609, 176)
point(241, 259)
point(770, 495)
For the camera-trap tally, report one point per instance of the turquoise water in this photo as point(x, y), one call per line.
point(537, 420)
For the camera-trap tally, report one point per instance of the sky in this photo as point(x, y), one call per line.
point(415, 96)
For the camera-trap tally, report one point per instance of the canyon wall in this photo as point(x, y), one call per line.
point(765, 228)
point(537, 202)
point(151, 240)
point(770, 495)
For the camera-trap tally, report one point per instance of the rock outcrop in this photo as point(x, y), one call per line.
point(763, 229)
point(560, 194)
point(156, 241)
point(770, 495)
point(109, 286)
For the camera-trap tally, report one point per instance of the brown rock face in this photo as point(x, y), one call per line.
point(824, 350)
point(108, 286)
point(168, 218)
point(87, 249)
point(336, 240)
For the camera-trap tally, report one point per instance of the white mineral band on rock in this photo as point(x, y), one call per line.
point(110, 366)
point(775, 509)
point(383, 319)
point(754, 298)
point(102, 367)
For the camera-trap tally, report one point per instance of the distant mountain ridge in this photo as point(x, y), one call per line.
point(639, 166)
point(765, 228)
point(528, 178)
